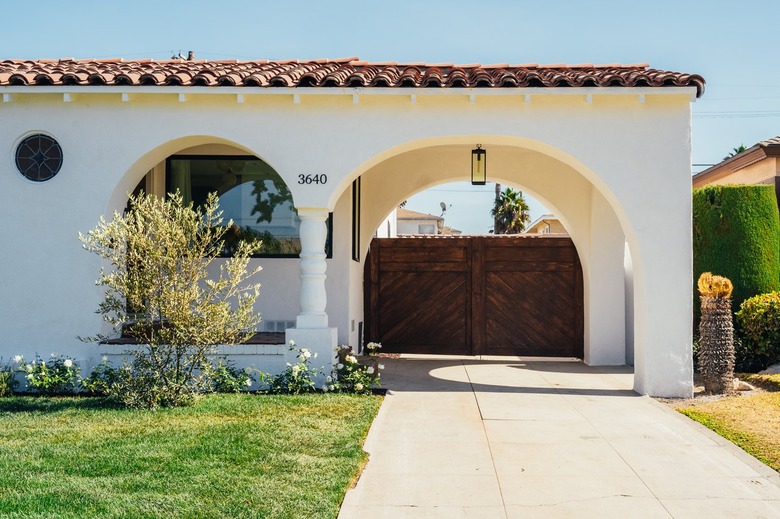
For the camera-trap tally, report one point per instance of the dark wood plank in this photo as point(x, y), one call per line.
point(478, 295)
point(492, 295)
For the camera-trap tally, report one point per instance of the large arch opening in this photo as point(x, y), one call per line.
point(593, 223)
point(253, 195)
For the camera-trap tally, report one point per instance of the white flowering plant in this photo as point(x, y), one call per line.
point(225, 377)
point(297, 378)
point(58, 375)
point(350, 376)
point(373, 348)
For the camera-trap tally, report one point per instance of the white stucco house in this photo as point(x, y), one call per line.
point(414, 222)
point(545, 224)
point(340, 143)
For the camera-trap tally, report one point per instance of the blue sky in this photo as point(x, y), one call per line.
point(732, 44)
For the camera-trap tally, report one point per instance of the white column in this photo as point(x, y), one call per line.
point(311, 330)
point(313, 234)
point(605, 341)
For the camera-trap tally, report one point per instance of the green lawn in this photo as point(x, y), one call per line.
point(228, 456)
point(750, 421)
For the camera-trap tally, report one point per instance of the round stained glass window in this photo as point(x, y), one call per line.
point(38, 157)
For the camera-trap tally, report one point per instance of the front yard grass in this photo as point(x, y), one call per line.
point(750, 421)
point(228, 456)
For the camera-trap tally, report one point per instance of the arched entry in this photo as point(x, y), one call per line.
point(256, 198)
point(475, 295)
point(593, 224)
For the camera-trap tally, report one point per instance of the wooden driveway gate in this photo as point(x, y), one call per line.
point(475, 295)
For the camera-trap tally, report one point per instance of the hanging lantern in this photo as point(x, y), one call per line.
point(478, 166)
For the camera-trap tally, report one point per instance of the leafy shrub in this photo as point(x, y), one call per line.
point(8, 380)
point(134, 385)
point(350, 376)
point(297, 378)
point(140, 385)
point(736, 233)
point(226, 378)
point(59, 376)
point(759, 319)
point(101, 380)
point(161, 291)
point(745, 358)
point(373, 348)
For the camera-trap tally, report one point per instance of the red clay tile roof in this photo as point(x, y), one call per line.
point(347, 73)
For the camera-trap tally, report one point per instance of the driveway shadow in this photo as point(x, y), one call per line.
point(426, 374)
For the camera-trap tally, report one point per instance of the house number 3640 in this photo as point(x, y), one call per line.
point(313, 179)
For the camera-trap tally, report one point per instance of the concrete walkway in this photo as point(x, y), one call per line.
point(466, 437)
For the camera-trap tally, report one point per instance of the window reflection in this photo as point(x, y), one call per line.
point(251, 194)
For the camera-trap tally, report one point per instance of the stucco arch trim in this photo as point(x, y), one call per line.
point(140, 166)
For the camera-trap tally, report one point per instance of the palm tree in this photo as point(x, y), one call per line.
point(735, 151)
point(510, 212)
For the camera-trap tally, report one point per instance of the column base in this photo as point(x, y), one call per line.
point(322, 341)
point(311, 321)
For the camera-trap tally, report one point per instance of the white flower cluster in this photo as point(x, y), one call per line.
point(305, 355)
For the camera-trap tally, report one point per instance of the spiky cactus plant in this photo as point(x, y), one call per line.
point(716, 334)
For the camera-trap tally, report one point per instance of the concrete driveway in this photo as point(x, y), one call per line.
point(505, 438)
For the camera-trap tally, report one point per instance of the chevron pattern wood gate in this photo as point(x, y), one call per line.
point(475, 295)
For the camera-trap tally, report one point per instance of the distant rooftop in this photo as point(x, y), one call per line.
point(757, 152)
point(406, 214)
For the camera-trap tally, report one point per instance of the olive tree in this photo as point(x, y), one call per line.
point(164, 289)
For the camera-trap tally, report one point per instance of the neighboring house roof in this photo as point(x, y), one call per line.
point(536, 224)
point(757, 152)
point(406, 214)
point(344, 73)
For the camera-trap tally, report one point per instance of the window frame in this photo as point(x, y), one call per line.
point(329, 222)
point(356, 201)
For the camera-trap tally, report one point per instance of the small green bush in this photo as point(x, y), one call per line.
point(140, 385)
point(57, 377)
point(736, 233)
point(161, 290)
point(297, 378)
point(759, 319)
point(8, 380)
point(352, 377)
point(100, 381)
point(226, 378)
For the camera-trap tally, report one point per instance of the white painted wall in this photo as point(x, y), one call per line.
point(388, 228)
point(613, 163)
point(419, 226)
point(629, 280)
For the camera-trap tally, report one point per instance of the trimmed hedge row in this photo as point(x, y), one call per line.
point(759, 321)
point(736, 234)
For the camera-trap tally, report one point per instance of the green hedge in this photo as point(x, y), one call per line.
point(759, 320)
point(736, 234)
